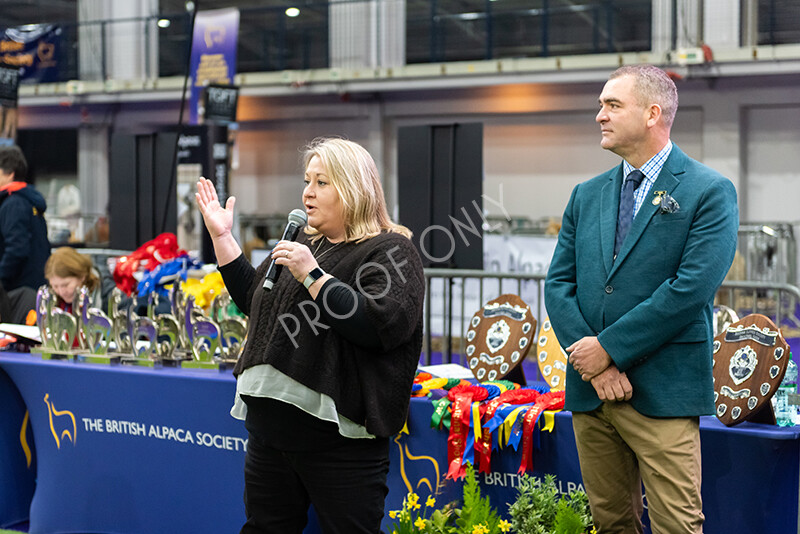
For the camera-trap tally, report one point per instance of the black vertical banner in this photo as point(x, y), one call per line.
point(206, 145)
point(440, 176)
point(9, 89)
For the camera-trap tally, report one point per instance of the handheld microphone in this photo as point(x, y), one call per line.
point(297, 219)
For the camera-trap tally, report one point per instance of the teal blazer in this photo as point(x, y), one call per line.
point(651, 308)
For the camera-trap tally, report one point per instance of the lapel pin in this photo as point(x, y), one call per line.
point(658, 195)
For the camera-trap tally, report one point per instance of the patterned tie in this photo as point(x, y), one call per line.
point(626, 208)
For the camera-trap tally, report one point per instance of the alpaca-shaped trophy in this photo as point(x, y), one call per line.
point(204, 338)
point(95, 331)
point(177, 301)
point(233, 329)
point(119, 324)
point(143, 333)
point(168, 332)
point(57, 328)
point(44, 304)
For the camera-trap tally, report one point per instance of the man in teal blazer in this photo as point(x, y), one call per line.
point(637, 322)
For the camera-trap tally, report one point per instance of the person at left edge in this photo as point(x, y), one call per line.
point(24, 246)
point(325, 376)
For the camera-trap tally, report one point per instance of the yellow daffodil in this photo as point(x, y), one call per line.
point(431, 502)
point(417, 506)
point(393, 514)
point(419, 523)
point(412, 499)
point(480, 529)
point(504, 525)
point(594, 530)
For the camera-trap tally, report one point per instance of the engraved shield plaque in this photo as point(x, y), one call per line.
point(750, 358)
point(499, 337)
point(550, 357)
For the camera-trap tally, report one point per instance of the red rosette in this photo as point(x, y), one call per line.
point(520, 396)
point(552, 400)
point(477, 393)
point(462, 397)
point(148, 256)
point(422, 377)
point(483, 448)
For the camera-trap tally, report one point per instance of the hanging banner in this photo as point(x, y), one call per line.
point(34, 49)
point(213, 59)
point(9, 87)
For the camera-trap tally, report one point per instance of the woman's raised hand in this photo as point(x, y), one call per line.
point(218, 220)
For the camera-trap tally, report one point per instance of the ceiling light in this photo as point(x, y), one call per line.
point(163, 23)
point(292, 12)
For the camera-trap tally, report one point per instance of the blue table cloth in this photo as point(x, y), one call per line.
point(134, 450)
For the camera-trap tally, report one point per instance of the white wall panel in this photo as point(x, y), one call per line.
point(538, 160)
point(772, 166)
point(270, 176)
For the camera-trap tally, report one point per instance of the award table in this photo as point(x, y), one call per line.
point(17, 456)
point(751, 471)
point(131, 450)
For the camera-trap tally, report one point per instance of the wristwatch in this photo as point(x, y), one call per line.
point(315, 274)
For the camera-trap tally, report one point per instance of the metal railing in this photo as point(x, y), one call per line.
point(768, 252)
point(777, 301)
point(453, 296)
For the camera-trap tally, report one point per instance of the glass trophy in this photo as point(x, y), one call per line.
point(119, 325)
point(95, 331)
point(177, 300)
point(143, 335)
point(204, 338)
point(171, 345)
point(52, 337)
point(64, 330)
point(233, 329)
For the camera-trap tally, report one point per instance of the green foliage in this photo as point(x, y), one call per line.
point(475, 517)
point(440, 522)
point(540, 510)
point(477, 510)
point(568, 521)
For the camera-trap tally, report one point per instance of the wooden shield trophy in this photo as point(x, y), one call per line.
point(551, 358)
point(750, 359)
point(499, 336)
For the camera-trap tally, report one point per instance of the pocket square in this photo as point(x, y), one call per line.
point(669, 204)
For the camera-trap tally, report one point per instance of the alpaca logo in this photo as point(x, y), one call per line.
point(46, 53)
point(64, 419)
point(23, 438)
point(214, 35)
point(405, 454)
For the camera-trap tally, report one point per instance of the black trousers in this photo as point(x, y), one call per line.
point(294, 459)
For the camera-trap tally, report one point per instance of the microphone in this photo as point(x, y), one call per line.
point(297, 219)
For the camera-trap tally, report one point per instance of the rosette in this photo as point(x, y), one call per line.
point(462, 398)
point(484, 446)
point(554, 400)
